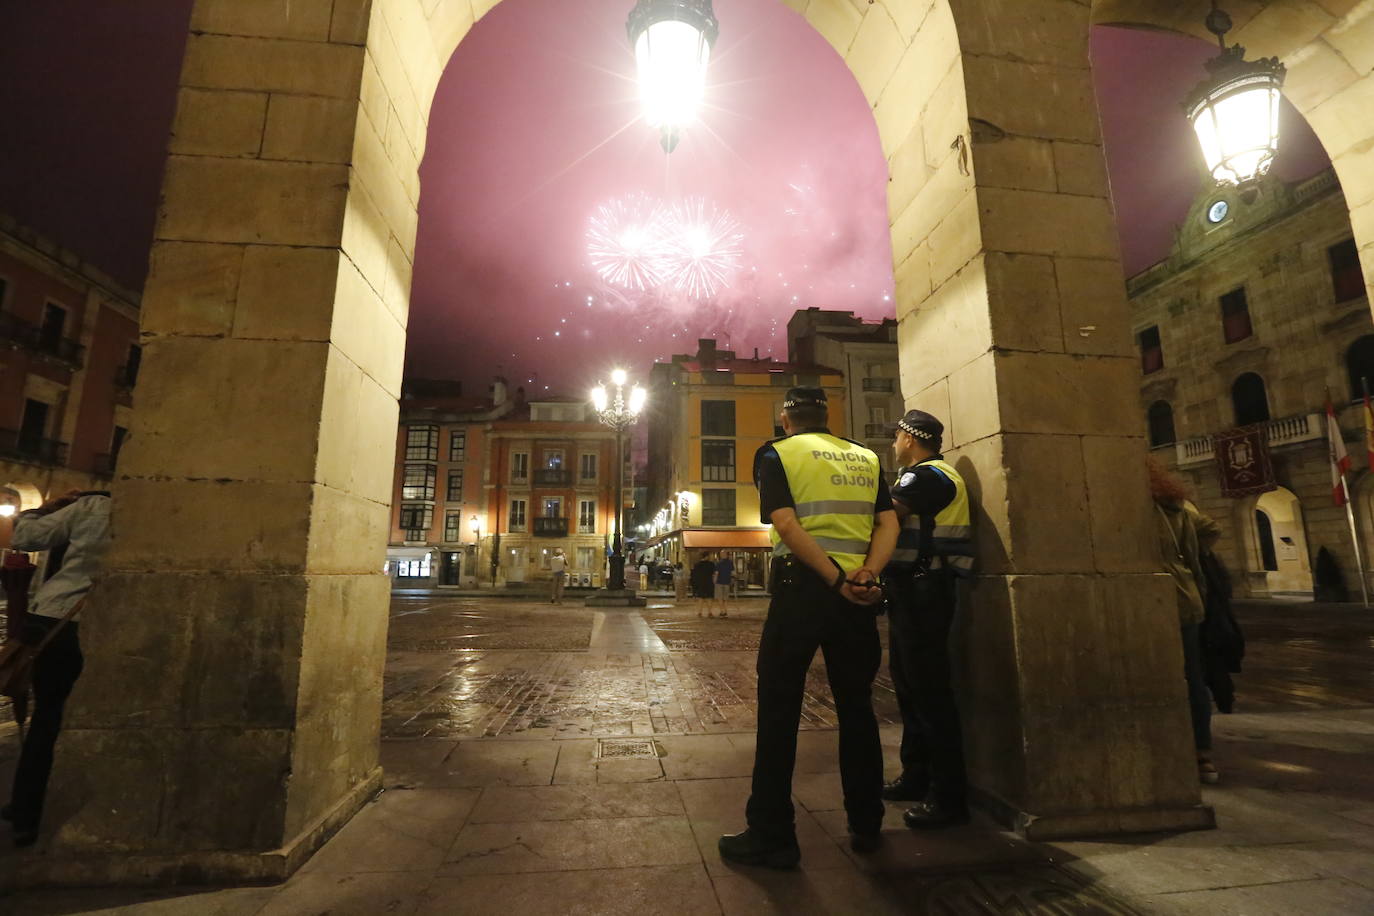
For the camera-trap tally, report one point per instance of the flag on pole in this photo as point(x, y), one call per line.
point(1368, 424)
point(1340, 459)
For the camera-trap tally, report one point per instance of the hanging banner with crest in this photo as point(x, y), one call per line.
point(1243, 461)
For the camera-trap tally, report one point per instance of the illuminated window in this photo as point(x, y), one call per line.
point(455, 487)
point(517, 515)
point(418, 482)
point(422, 443)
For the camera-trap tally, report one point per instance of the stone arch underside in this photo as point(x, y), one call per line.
point(244, 623)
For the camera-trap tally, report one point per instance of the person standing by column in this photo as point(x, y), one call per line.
point(934, 550)
point(75, 530)
point(832, 528)
point(559, 566)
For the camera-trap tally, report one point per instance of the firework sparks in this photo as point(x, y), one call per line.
point(627, 242)
point(707, 249)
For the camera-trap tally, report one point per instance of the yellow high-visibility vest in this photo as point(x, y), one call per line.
point(834, 484)
point(952, 539)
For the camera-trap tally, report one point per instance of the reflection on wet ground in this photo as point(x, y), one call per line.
point(662, 671)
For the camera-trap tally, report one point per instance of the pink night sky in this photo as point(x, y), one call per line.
point(533, 127)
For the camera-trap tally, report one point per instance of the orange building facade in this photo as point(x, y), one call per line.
point(69, 356)
point(486, 491)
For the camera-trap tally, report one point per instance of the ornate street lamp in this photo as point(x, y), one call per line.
point(1235, 112)
point(672, 42)
point(619, 413)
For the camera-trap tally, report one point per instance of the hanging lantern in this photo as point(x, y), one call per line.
point(672, 42)
point(1235, 113)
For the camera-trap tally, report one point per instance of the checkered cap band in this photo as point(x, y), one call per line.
point(906, 427)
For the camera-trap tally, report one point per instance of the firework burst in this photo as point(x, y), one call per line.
point(706, 249)
point(627, 241)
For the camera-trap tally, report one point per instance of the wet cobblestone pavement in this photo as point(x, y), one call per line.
point(456, 672)
point(513, 784)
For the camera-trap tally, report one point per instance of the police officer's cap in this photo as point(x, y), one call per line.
point(922, 426)
point(804, 397)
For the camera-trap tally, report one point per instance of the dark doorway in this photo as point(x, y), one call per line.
point(1250, 400)
point(1161, 419)
point(54, 322)
point(1269, 558)
point(449, 568)
point(33, 426)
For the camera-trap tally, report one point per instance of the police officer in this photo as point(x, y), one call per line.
point(833, 528)
point(934, 550)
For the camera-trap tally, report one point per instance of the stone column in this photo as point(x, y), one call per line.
point(1013, 330)
point(229, 714)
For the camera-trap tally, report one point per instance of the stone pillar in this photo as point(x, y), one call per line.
point(229, 714)
point(1013, 329)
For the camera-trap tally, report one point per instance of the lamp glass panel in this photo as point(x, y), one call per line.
point(671, 57)
point(1238, 132)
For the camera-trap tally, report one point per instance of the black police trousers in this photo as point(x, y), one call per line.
point(54, 674)
point(803, 616)
point(920, 615)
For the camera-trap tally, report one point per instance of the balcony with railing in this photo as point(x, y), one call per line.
point(32, 449)
point(551, 527)
point(1283, 431)
point(31, 337)
point(878, 430)
point(553, 477)
point(885, 385)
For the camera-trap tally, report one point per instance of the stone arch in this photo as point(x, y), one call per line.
point(1329, 52)
point(1282, 567)
point(282, 263)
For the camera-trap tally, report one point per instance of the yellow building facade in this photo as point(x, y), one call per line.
point(709, 413)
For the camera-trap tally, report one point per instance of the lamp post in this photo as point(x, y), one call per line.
point(619, 413)
point(1235, 112)
point(672, 42)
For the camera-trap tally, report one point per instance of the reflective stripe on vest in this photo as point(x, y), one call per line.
point(952, 539)
point(834, 485)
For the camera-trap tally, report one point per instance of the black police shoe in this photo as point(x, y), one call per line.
point(865, 842)
point(931, 815)
point(748, 848)
point(906, 788)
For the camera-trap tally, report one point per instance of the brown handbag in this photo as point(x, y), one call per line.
point(17, 659)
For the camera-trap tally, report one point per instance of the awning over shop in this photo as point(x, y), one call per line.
point(715, 539)
point(407, 553)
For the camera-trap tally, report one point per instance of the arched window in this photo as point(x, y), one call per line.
point(1269, 558)
point(1359, 364)
point(1250, 400)
point(1161, 420)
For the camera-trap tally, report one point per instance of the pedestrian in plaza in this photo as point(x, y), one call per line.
point(679, 582)
point(75, 530)
point(558, 564)
point(832, 528)
point(643, 575)
point(934, 550)
point(703, 583)
point(1184, 533)
point(721, 578)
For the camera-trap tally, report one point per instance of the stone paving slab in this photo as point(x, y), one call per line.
point(681, 889)
point(593, 843)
